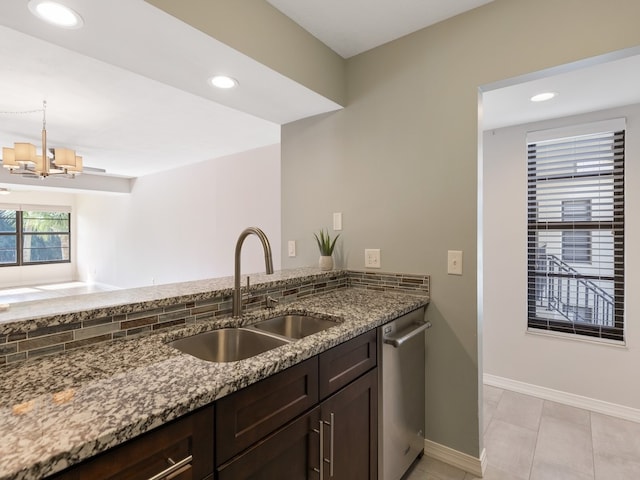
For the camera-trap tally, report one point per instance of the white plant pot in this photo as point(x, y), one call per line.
point(326, 262)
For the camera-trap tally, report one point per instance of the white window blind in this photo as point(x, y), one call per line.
point(576, 234)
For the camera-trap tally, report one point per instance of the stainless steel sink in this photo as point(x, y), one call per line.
point(227, 344)
point(295, 326)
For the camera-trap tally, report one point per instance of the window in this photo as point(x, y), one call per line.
point(31, 235)
point(575, 234)
point(576, 244)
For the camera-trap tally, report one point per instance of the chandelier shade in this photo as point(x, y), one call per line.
point(24, 153)
point(9, 158)
point(23, 157)
point(65, 158)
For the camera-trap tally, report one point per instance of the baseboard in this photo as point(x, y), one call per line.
point(571, 399)
point(463, 461)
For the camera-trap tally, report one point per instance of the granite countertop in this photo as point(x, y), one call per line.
point(59, 410)
point(33, 314)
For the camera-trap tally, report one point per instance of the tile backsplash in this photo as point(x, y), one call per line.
point(74, 333)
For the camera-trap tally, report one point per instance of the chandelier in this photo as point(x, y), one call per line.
point(23, 159)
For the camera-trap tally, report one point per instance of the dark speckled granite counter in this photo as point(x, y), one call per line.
point(58, 410)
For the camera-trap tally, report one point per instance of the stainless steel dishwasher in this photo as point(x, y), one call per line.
point(402, 392)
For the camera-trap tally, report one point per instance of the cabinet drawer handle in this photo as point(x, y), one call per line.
point(320, 431)
point(174, 467)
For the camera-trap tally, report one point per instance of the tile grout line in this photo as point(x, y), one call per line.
point(593, 447)
point(535, 447)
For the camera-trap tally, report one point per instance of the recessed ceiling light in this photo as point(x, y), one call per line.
point(543, 97)
point(55, 13)
point(222, 81)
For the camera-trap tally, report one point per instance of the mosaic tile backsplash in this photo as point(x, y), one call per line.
point(85, 320)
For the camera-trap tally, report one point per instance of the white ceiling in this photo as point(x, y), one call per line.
point(350, 27)
point(598, 85)
point(129, 90)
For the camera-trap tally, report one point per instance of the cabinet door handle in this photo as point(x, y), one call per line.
point(331, 446)
point(320, 431)
point(174, 467)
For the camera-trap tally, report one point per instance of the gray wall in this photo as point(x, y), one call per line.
point(260, 31)
point(400, 161)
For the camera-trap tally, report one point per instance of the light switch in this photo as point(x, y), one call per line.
point(292, 248)
point(454, 262)
point(337, 221)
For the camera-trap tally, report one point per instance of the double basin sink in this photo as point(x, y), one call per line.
point(233, 344)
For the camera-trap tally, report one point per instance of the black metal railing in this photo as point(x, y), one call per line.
point(562, 289)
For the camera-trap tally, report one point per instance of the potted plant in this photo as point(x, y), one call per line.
point(326, 246)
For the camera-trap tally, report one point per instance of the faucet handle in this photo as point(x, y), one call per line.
point(247, 295)
point(271, 302)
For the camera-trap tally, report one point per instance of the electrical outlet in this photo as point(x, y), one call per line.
point(292, 248)
point(372, 258)
point(454, 262)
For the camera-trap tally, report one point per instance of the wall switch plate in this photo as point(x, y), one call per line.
point(292, 248)
point(372, 258)
point(337, 221)
point(454, 262)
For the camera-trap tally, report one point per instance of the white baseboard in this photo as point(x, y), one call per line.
point(571, 399)
point(463, 461)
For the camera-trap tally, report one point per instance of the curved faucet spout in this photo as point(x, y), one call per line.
point(268, 264)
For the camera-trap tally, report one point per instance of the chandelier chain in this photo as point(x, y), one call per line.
point(22, 112)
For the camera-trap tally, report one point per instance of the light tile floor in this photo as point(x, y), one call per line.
point(532, 439)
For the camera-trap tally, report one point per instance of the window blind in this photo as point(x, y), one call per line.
point(575, 250)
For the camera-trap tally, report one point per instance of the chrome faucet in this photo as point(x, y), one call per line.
point(268, 264)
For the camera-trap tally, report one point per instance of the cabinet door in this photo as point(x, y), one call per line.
point(291, 453)
point(352, 413)
point(187, 441)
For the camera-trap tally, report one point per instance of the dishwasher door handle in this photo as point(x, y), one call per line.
point(396, 342)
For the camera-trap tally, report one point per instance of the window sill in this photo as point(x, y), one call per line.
point(577, 338)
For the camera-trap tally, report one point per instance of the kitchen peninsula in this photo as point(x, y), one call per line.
point(58, 410)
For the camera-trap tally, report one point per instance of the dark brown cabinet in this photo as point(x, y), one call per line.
point(246, 416)
point(352, 414)
point(344, 363)
point(315, 420)
point(182, 449)
point(291, 453)
point(336, 439)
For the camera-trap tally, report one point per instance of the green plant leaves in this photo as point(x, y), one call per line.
point(325, 244)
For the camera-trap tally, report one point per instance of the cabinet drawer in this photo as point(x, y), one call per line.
point(344, 363)
point(246, 416)
point(154, 452)
point(290, 453)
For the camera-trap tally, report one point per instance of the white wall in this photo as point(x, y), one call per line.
point(182, 224)
point(39, 274)
point(586, 368)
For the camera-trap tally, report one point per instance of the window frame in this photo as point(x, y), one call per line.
point(536, 271)
point(20, 234)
